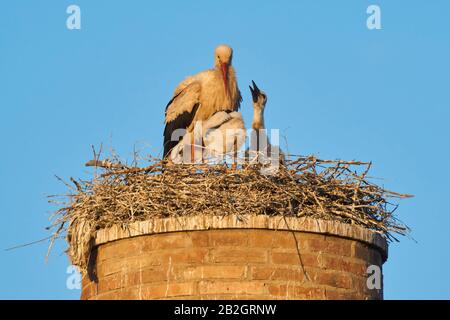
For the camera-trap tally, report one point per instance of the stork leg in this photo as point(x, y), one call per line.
point(192, 148)
point(257, 145)
point(203, 150)
point(234, 165)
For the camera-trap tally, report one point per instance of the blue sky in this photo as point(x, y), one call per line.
point(335, 88)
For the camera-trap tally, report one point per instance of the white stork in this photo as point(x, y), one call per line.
point(222, 134)
point(260, 146)
point(199, 97)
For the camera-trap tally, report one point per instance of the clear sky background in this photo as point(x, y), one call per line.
point(336, 90)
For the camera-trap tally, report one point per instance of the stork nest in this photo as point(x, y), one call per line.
point(303, 186)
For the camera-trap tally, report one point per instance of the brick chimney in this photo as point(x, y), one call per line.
point(247, 257)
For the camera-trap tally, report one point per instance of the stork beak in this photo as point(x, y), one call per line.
point(224, 68)
point(255, 91)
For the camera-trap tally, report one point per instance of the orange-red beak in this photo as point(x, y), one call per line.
point(224, 67)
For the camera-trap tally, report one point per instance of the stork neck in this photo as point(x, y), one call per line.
point(258, 118)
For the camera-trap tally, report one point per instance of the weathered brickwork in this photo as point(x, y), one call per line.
point(233, 264)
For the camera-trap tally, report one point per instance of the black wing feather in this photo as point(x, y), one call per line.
point(183, 121)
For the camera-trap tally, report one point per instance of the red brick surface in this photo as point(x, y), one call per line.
point(233, 264)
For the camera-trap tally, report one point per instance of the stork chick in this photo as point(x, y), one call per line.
point(259, 104)
point(261, 149)
point(222, 134)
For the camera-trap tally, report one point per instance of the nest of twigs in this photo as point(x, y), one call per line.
point(303, 186)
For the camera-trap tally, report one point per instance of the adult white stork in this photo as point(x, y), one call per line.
point(221, 135)
point(200, 96)
point(260, 147)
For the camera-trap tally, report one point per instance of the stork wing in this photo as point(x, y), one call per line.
point(184, 100)
point(238, 101)
point(180, 112)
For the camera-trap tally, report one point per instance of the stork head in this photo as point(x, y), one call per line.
point(223, 57)
point(259, 97)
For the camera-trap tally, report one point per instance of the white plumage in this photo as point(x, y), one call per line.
point(221, 135)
